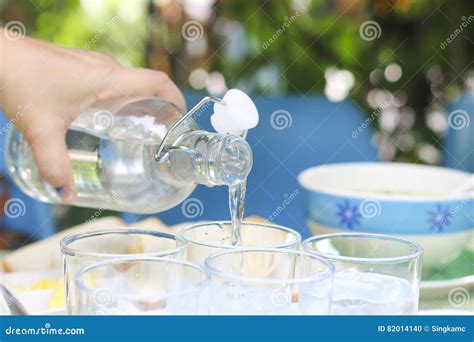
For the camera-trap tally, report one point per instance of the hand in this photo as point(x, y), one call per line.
point(44, 87)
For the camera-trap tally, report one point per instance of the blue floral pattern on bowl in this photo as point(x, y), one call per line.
point(439, 218)
point(349, 215)
point(415, 202)
point(394, 217)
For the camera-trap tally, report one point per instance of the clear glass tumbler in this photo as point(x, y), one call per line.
point(207, 238)
point(375, 274)
point(269, 281)
point(142, 286)
point(83, 249)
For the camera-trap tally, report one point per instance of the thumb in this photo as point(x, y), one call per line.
point(51, 157)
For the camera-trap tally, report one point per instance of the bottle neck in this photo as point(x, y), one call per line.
point(210, 158)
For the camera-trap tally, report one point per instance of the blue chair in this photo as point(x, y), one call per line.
point(294, 133)
point(459, 142)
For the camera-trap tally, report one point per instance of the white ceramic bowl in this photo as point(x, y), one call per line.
point(412, 201)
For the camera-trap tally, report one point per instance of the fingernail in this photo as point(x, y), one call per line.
point(67, 195)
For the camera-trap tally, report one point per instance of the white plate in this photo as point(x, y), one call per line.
point(34, 302)
point(441, 288)
point(4, 309)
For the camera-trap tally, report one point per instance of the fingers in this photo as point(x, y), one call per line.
point(131, 82)
point(52, 159)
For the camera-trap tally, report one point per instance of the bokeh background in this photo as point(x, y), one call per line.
point(400, 62)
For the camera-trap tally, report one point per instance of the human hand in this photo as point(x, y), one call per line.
point(51, 85)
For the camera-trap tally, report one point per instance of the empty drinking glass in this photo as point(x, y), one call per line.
point(142, 286)
point(269, 281)
point(207, 238)
point(82, 249)
point(375, 274)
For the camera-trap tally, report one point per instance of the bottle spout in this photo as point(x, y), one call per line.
point(211, 158)
point(231, 161)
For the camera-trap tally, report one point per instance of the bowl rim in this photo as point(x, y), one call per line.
point(303, 182)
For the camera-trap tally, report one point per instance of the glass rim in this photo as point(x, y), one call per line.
point(78, 279)
point(418, 250)
point(72, 237)
point(324, 275)
point(184, 230)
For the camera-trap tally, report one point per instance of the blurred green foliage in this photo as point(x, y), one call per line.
point(327, 35)
point(115, 27)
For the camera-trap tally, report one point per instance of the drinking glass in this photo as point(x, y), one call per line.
point(268, 281)
point(82, 249)
point(142, 286)
point(207, 238)
point(375, 274)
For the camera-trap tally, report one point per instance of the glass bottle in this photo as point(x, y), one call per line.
point(143, 156)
